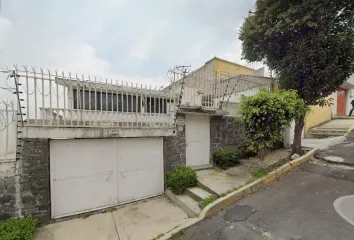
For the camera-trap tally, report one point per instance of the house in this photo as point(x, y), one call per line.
point(340, 107)
point(83, 145)
point(342, 98)
point(208, 105)
point(219, 83)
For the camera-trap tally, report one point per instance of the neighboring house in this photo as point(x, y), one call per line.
point(340, 108)
point(219, 84)
point(342, 98)
point(83, 145)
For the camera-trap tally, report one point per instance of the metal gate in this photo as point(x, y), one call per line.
point(89, 174)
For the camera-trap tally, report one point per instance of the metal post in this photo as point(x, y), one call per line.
point(18, 97)
point(7, 131)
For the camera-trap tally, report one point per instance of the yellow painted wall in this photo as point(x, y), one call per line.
point(226, 68)
point(317, 116)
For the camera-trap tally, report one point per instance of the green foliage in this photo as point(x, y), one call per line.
point(180, 179)
point(18, 229)
point(309, 44)
point(158, 236)
point(177, 235)
point(206, 201)
point(259, 173)
point(264, 116)
point(227, 157)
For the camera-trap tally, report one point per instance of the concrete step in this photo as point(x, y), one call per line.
point(206, 188)
point(327, 132)
point(202, 167)
point(198, 194)
point(185, 202)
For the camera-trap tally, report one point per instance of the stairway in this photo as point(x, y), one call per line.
point(190, 200)
point(334, 128)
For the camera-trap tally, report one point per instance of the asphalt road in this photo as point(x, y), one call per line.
point(298, 206)
point(341, 153)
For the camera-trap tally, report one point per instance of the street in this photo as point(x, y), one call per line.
point(298, 206)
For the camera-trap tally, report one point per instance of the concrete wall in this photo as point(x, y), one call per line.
point(215, 67)
point(227, 69)
point(8, 121)
point(225, 133)
point(317, 116)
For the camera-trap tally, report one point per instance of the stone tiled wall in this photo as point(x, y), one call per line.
point(8, 207)
point(24, 184)
point(224, 132)
point(35, 187)
point(174, 149)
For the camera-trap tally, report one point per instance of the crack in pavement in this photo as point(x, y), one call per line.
point(238, 213)
point(328, 171)
point(115, 225)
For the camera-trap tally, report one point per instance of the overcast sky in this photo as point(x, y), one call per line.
point(137, 40)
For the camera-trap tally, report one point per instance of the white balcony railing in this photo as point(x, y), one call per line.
point(65, 100)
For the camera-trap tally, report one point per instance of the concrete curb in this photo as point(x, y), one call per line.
point(349, 131)
point(240, 193)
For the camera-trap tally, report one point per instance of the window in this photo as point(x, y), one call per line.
point(156, 105)
point(91, 100)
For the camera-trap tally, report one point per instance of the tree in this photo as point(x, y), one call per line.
point(309, 44)
point(265, 115)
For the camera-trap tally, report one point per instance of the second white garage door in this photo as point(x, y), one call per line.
point(89, 174)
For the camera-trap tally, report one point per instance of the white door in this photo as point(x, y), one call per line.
point(89, 174)
point(197, 140)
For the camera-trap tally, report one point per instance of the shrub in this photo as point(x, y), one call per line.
point(227, 157)
point(180, 179)
point(265, 115)
point(18, 229)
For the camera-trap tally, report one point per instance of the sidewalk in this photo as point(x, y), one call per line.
point(322, 143)
point(333, 128)
point(139, 221)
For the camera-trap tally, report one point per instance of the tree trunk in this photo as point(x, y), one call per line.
point(299, 125)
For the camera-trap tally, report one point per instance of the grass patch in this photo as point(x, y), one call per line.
point(177, 235)
point(259, 173)
point(206, 201)
point(18, 229)
point(158, 236)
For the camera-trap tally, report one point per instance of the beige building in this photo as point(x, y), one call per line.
point(220, 84)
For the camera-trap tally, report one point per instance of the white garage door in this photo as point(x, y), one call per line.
point(89, 174)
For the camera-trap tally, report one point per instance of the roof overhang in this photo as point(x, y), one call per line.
point(347, 85)
point(202, 110)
